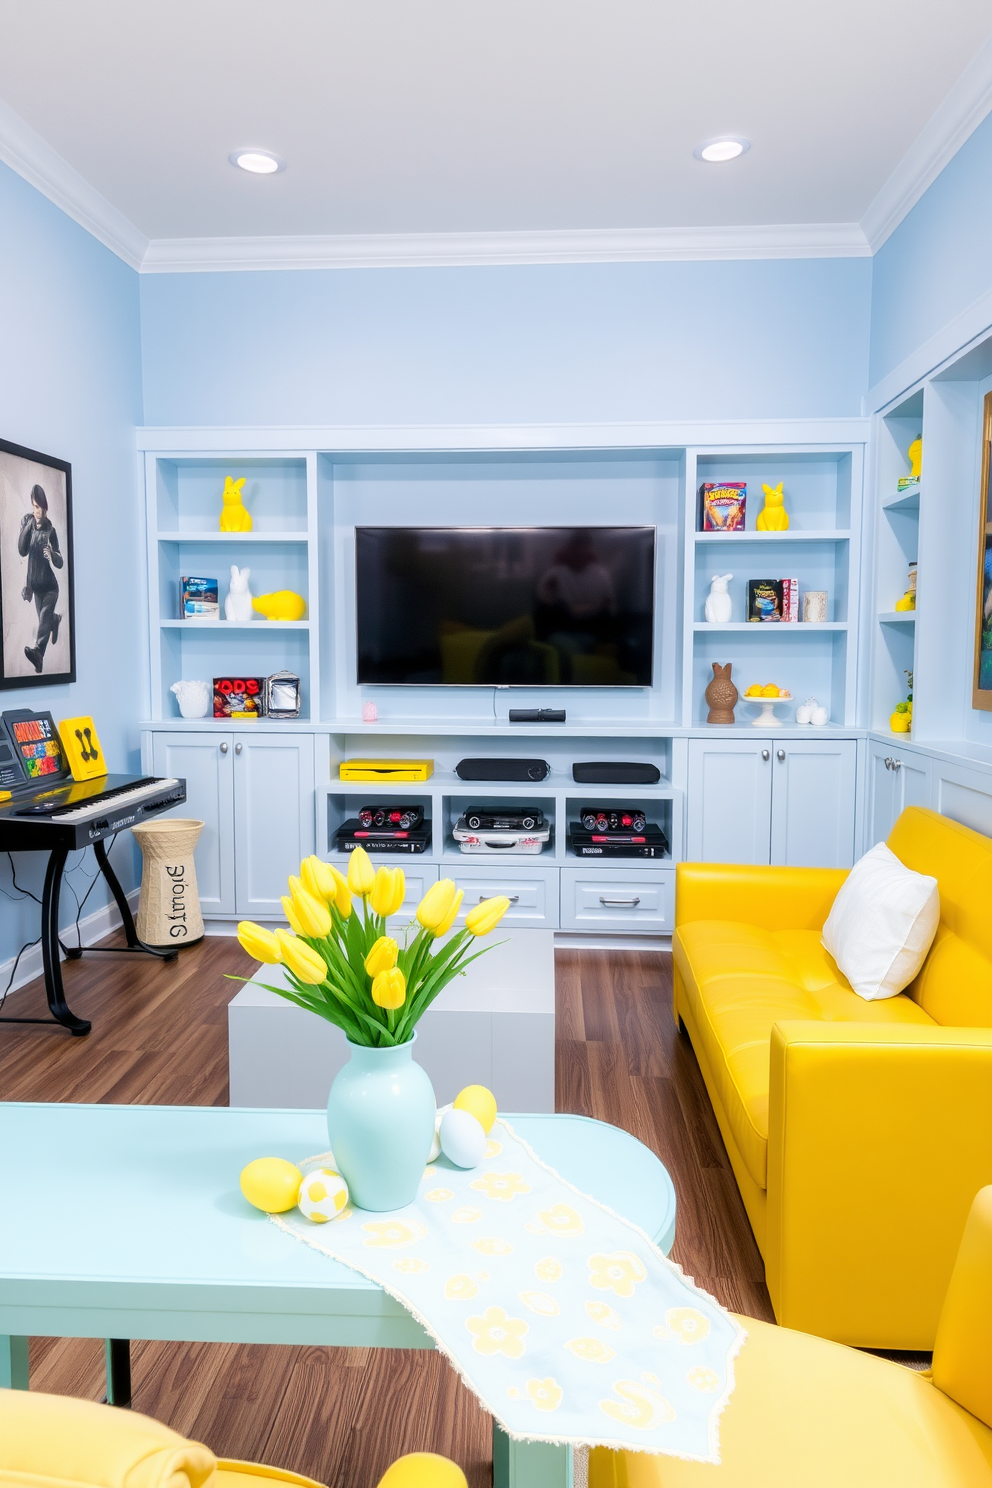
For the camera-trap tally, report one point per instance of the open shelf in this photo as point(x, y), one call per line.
point(791, 536)
point(206, 537)
point(799, 627)
point(195, 623)
point(903, 501)
point(897, 617)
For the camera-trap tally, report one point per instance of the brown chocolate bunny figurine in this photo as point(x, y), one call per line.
point(721, 695)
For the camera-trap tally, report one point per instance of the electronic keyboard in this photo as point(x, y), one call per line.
point(78, 813)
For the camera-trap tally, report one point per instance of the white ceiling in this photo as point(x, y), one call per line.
point(471, 116)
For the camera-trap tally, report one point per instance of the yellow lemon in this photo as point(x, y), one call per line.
point(480, 1102)
point(754, 690)
point(769, 690)
point(271, 1184)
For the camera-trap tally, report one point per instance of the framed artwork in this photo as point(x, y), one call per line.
point(37, 620)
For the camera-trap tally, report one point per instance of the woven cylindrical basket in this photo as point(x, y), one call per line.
point(169, 906)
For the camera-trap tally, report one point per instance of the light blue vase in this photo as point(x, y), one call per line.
point(380, 1121)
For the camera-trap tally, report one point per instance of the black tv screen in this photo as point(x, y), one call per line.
point(505, 606)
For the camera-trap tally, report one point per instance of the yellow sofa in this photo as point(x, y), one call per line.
point(858, 1131)
point(806, 1413)
point(53, 1441)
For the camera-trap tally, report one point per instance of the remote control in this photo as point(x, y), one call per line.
point(537, 715)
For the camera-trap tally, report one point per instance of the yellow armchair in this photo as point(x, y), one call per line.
point(857, 1131)
point(807, 1413)
point(53, 1441)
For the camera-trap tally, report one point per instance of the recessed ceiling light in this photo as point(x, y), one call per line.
point(259, 162)
point(718, 150)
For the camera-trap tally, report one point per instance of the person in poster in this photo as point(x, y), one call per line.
point(38, 542)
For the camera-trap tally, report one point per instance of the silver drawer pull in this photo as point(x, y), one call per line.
point(620, 903)
point(513, 898)
point(897, 764)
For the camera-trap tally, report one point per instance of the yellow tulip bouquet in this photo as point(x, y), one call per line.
point(341, 964)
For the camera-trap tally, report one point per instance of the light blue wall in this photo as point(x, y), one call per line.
point(937, 262)
point(785, 338)
point(70, 386)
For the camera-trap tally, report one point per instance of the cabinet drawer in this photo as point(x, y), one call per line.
point(532, 892)
point(630, 899)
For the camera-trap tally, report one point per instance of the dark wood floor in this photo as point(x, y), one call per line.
point(160, 1036)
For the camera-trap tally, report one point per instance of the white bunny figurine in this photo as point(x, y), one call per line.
point(237, 605)
point(718, 608)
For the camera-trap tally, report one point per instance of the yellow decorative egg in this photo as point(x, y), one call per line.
point(754, 690)
point(271, 1184)
point(463, 1141)
point(323, 1195)
point(423, 1470)
point(480, 1102)
point(769, 690)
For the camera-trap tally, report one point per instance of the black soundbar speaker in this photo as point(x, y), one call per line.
point(616, 772)
point(502, 769)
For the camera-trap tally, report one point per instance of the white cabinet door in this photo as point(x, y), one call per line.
point(206, 762)
point(813, 794)
point(729, 800)
point(883, 807)
point(273, 817)
point(964, 794)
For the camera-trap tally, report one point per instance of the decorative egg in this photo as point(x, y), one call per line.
point(819, 717)
point(271, 1184)
point(463, 1141)
point(423, 1470)
point(323, 1195)
point(435, 1151)
point(480, 1102)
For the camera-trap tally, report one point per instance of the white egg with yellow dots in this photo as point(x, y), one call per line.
point(323, 1195)
point(463, 1139)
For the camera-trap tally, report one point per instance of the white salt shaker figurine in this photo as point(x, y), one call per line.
point(719, 609)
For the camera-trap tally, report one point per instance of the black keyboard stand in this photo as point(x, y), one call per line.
point(50, 943)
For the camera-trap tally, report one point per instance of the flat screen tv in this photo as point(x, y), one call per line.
point(505, 606)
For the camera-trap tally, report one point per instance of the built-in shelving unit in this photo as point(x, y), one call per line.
point(183, 507)
point(248, 779)
point(896, 543)
point(822, 489)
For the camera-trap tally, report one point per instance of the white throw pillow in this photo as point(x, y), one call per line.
point(882, 924)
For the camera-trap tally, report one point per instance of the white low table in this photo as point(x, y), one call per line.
point(494, 1026)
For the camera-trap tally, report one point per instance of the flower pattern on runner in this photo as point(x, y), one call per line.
point(590, 1349)
point(495, 1332)
point(618, 1272)
point(393, 1232)
point(687, 1324)
point(503, 1186)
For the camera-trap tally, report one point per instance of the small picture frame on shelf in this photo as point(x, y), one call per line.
point(981, 696)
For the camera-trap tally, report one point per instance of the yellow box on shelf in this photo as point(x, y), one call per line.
point(385, 770)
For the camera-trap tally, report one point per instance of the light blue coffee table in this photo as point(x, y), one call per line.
point(123, 1222)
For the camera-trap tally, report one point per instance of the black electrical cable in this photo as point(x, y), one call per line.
point(13, 970)
point(24, 893)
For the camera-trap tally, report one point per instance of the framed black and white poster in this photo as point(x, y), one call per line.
point(37, 622)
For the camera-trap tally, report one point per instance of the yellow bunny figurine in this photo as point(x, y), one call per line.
point(235, 516)
point(915, 457)
point(773, 516)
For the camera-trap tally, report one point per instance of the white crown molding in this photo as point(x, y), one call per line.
point(44, 168)
point(957, 117)
point(421, 250)
point(700, 435)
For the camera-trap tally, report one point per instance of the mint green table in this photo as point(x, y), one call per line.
point(123, 1222)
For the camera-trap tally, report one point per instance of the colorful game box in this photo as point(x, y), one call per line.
point(198, 599)
point(722, 506)
point(765, 600)
point(239, 697)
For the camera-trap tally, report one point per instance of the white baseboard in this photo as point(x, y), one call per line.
point(91, 929)
point(581, 940)
point(565, 940)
